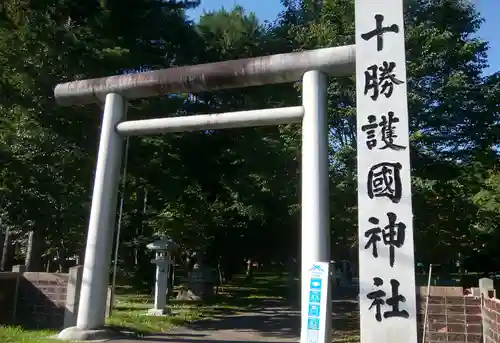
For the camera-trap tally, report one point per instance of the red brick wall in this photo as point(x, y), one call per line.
point(33, 300)
point(453, 318)
point(491, 313)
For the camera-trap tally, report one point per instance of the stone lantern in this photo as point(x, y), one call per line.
point(164, 250)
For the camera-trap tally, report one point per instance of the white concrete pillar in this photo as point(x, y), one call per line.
point(315, 180)
point(92, 306)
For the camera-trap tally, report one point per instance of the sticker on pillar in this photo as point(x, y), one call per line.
point(314, 328)
point(313, 310)
point(313, 323)
point(312, 336)
point(316, 269)
point(314, 296)
point(315, 284)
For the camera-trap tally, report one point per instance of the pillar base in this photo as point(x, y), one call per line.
point(159, 312)
point(74, 333)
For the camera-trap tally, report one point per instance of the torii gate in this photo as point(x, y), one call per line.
point(381, 103)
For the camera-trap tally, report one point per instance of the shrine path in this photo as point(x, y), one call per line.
point(272, 321)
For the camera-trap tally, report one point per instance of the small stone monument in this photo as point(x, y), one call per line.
point(199, 284)
point(164, 249)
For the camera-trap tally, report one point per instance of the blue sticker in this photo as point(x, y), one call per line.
point(314, 296)
point(313, 323)
point(315, 283)
point(313, 310)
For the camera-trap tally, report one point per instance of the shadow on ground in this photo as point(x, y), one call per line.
point(273, 322)
point(345, 316)
point(252, 310)
point(264, 311)
point(169, 338)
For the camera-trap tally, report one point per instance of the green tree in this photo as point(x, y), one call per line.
point(49, 152)
point(453, 117)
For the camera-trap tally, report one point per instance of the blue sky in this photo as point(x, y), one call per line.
point(268, 9)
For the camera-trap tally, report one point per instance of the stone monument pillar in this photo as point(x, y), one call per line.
point(199, 284)
point(164, 249)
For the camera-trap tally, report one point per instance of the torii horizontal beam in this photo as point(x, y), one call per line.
point(281, 68)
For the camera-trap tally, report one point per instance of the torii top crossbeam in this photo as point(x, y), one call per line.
point(281, 68)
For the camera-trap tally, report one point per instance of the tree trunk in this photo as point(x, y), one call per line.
point(145, 205)
point(138, 220)
point(33, 262)
point(2, 237)
point(249, 272)
point(29, 252)
point(81, 255)
point(61, 259)
point(37, 250)
point(5, 263)
point(219, 272)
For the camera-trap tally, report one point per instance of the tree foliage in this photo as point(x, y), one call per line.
point(235, 194)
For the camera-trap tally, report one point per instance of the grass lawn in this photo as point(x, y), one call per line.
point(130, 312)
point(239, 295)
point(10, 334)
point(131, 309)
